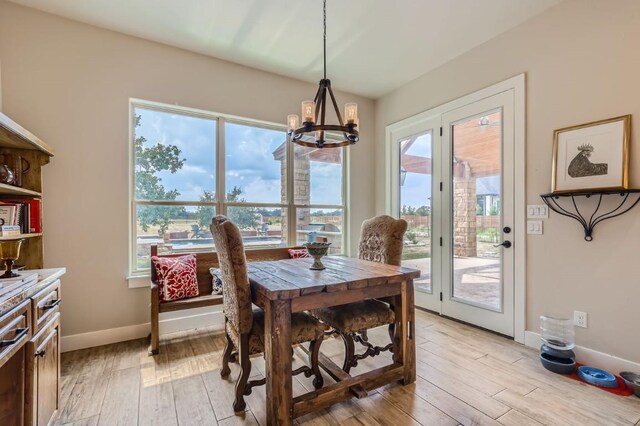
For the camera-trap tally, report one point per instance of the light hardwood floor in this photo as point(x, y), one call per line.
point(465, 376)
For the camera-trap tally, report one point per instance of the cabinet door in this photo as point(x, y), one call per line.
point(43, 374)
point(47, 374)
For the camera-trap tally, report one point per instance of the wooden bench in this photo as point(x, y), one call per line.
point(204, 261)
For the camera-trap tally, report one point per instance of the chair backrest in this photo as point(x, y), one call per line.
point(236, 290)
point(382, 239)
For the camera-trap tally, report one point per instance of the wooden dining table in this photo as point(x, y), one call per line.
point(283, 287)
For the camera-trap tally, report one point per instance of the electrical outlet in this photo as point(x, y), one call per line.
point(580, 319)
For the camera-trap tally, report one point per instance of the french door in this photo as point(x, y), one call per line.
point(454, 185)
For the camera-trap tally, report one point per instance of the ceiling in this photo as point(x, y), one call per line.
point(373, 46)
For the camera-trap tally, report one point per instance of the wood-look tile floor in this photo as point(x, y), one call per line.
point(465, 376)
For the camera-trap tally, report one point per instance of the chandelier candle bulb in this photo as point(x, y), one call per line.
point(308, 115)
point(293, 121)
point(351, 113)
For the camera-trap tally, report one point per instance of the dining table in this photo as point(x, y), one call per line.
point(283, 287)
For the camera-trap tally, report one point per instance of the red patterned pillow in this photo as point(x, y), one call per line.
point(298, 253)
point(176, 277)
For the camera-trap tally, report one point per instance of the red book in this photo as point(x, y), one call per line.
point(35, 226)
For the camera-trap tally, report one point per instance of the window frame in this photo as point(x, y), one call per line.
point(220, 204)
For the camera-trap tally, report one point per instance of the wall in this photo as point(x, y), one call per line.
point(69, 83)
point(582, 65)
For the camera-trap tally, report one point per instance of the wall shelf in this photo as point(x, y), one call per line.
point(16, 190)
point(628, 200)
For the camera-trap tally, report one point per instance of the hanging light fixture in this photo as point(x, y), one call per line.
point(312, 132)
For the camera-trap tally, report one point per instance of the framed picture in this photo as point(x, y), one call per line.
point(592, 156)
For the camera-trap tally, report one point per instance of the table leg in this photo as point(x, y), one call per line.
point(409, 320)
point(278, 362)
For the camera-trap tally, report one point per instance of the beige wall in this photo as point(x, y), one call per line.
point(70, 83)
point(582, 64)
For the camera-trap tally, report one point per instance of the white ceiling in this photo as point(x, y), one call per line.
point(373, 46)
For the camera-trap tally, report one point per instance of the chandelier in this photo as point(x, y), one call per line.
point(312, 132)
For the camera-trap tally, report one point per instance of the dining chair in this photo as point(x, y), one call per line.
point(244, 326)
point(381, 241)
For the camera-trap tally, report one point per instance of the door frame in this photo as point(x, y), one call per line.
point(517, 84)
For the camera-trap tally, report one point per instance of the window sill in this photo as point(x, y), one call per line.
point(138, 281)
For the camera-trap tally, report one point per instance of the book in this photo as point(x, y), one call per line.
point(33, 212)
point(10, 230)
point(7, 214)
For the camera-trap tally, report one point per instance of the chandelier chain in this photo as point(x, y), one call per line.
point(324, 12)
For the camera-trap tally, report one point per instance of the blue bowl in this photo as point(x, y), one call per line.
point(597, 377)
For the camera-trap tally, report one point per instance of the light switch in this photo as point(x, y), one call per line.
point(539, 211)
point(534, 227)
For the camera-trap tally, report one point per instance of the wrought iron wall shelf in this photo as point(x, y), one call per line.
point(628, 200)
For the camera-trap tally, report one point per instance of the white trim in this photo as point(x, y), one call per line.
point(204, 318)
point(588, 356)
point(520, 208)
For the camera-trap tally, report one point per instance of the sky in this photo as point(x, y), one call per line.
point(249, 159)
point(250, 164)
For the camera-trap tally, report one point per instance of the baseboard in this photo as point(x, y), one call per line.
point(168, 324)
point(589, 356)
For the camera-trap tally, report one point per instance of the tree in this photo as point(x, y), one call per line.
point(204, 214)
point(243, 217)
point(423, 211)
point(150, 161)
point(408, 211)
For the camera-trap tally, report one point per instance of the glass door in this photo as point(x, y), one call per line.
point(415, 148)
point(478, 261)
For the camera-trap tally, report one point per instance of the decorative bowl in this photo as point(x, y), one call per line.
point(317, 250)
point(632, 380)
point(558, 365)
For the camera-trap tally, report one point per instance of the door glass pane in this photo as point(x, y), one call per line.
point(313, 223)
point(477, 186)
point(415, 205)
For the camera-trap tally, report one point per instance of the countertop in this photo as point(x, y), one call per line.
point(16, 295)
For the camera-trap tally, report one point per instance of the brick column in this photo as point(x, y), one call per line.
point(301, 189)
point(464, 211)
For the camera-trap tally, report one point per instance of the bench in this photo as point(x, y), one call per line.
point(204, 261)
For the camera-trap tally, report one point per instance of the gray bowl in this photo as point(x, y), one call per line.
point(632, 380)
point(558, 365)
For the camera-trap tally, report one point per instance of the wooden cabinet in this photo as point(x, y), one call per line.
point(30, 327)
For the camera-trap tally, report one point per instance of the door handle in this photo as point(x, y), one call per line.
point(505, 244)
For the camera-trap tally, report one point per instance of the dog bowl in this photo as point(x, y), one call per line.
point(597, 377)
point(632, 380)
point(558, 365)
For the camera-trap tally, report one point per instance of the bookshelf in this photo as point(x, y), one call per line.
point(16, 140)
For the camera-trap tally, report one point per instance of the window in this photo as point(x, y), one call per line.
point(191, 165)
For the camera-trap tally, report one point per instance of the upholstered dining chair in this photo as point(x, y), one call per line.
point(245, 327)
point(381, 241)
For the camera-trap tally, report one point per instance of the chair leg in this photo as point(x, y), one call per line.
point(349, 351)
point(245, 369)
point(314, 350)
point(226, 356)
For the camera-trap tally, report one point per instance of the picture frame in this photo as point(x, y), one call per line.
point(592, 156)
